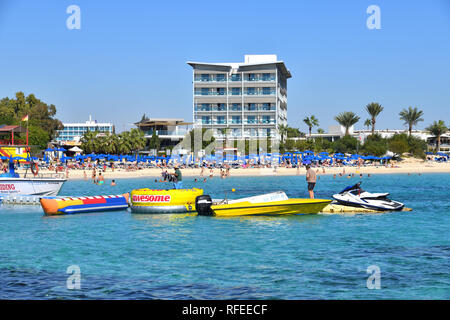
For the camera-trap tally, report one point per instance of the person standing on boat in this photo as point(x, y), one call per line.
point(178, 183)
point(311, 178)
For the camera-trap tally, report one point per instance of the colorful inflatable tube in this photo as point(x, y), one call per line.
point(73, 205)
point(163, 201)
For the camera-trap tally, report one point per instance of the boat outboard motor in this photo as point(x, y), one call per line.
point(203, 205)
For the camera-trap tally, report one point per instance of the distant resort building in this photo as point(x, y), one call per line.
point(337, 132)
point(247, 100)
point(170, 131)
point(72, 132)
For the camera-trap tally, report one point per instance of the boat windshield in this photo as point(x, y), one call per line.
point(354, 187)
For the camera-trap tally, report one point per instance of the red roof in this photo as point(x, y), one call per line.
point(7, 128)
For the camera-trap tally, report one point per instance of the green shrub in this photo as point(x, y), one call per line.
point(347, 144)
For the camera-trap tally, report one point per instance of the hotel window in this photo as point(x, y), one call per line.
point(220, 91)
point(267, 77)
point(251, 107)
point(266, 106)
point(205, 77)
point(236, 77)
point(251, 91)
point(204, 107)
point(251, 77)
point(221, 120)
point(236, 107)
point(236, 91)
point(267, 91)
point(265, 119)
point(236, 119)
point(220, 77)
point(221, 107)
point(206, 120)
point(205, 91)
point(236, 132)
point(251, 120)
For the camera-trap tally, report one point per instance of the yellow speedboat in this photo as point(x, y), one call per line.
point(276, 203)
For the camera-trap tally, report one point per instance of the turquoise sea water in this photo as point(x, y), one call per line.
point(127, 256)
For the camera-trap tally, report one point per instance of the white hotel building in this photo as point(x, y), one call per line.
point(72, 132)
point(247, 100)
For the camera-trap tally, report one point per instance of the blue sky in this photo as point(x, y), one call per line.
point(129, 57)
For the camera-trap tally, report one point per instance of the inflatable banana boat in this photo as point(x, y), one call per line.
point(163, 201)
point(71, 205)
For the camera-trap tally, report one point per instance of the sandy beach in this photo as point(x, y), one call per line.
point(408, 166)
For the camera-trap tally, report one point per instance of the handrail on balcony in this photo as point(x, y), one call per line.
point(9, 142)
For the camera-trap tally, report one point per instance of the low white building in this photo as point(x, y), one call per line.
point(72, 132)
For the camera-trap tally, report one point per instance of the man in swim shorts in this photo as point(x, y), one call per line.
point(101, 180)
point(311, 179)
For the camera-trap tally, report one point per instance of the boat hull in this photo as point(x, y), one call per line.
point(389, 205)
point(275, 208)
point(31, 186)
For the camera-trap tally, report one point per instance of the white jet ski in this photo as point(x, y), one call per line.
point(356, 197)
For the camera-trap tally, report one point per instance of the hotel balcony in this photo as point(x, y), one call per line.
point(167, 134)
point(257, 122)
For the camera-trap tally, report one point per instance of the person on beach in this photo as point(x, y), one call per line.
point(178, 183)
point(311, 178)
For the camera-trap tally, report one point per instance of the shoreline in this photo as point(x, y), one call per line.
point(401, 168)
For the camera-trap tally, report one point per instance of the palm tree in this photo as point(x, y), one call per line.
point(283, 130)
point(124, 146)
point(437, 129)
point(411, 117)
point(374, 109)
point(367, 123)
point(89, 141)
point(311, 122)
point(321, 131)
point(137, 138)
point(347, 119)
